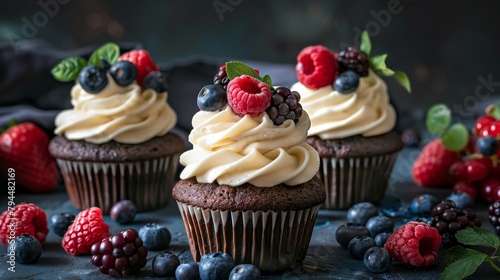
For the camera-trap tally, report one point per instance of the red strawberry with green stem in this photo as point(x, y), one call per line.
point(24, 147)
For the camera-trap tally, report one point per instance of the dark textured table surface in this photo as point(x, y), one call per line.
point(326, 259)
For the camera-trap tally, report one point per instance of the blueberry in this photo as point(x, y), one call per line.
point(27, 248)
point(348, 231)
point(214, 266)
point(156, 80)
point(188, 271)
point(422, 205)
point(381, 238)
point(123, 212)
point(359, 213)
point(487, 145)
point(165, 264)
point(123, 72)
point(461, 199)
point(393, 207)
point(212, 98)
point(93, 79)
point(155, 237)
point(359, 245)
point(377, 259)
point(346, 82)
point(245, 272)
point(378, 224)
point(60, 222)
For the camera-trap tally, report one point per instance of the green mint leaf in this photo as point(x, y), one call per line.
point(109, 52)
point(377, 63)
point(477, 236)
point(385, 72)
point(235, 69)
point(465, 266)
point(403, 80)
point(438, 118)
point(494, 110)
point(68, 69)
point(455, 138)
point(454, 254)
point(366, 44)
point(267, 79)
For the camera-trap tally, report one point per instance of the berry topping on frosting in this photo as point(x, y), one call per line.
point(221, 77)
point(93, 79)
point(284, 106)
point(248, 95)
point(156, 80)
point(352, 58)
point(123, 72)
point(142, 60)
point(316, 67)
point(346, 82)
point(212, 98)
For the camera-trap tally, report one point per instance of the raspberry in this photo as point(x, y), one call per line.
point(353, 59)
point(447, 218)
point(414, 244)
point(87, 229)
point(120, 255)
point(431, 169)
point(142, 61)
point(247, 95)
point(494, 215)
point(284, 106)
point(221, 77)
point(316, 67)
point(482, 122)
point(26, 219)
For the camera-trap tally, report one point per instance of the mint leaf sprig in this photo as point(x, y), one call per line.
point(438, 120)
point(377, 63)
point(462, 262)
point(235, 69)
point(69, 68)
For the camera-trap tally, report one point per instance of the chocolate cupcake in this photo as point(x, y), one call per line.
point(249, 187)
point(116, 143)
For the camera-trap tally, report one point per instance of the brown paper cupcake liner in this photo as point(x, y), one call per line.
point(148, 183)
point(271, 240)
point(352, 180)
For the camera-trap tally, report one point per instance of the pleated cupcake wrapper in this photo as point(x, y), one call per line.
point(271, 240)
point(352, 180)
point(147, 183)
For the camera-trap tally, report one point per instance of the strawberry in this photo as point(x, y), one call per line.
point(142, 61)
point(431, 169)
point(25, 148)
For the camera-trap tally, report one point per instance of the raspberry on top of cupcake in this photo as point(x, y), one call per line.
point(247, 131)
point(120, 98)
point(343, 92)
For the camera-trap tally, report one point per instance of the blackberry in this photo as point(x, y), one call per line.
point(447, 218)
point(120, 254)
point(221, 77)
point(284, 106)
point(494, 215)
point(353, 59)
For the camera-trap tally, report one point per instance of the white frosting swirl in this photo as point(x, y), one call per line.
point(234, 150)
point(334, 115)
point(124, 114)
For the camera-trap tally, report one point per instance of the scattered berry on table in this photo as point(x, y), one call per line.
point(221, 77)
point(123, 72)
point(212, 98)
point(216, 266)
point(415, 244)
point(359, 245)
point(157, 81)
point(411, 137)
point(87, 229)
point(316, 67)
point(422, 205)
point(492, 130)
point(165, 263)
point(119, 255)
point(247, 95)
point(381, 238)
point(188, 271)
point(352, 58)
point(458, 171)
point(93, 79)
point(123, 212)
point(490, 189)
point(494, 215)
point(28, 219)
point(461, 199)
point(27, 248)
point(155, 237)
point(142, 61)
point(482, 123)
point(465, 187)
point(379, 224)
point(478, 168)
point(348, 231)
point(346, 82)
point(377, 259)
point(361, 212)
point(245, 272)
point(487, 146)
point(284, 106)
point(60, 222)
